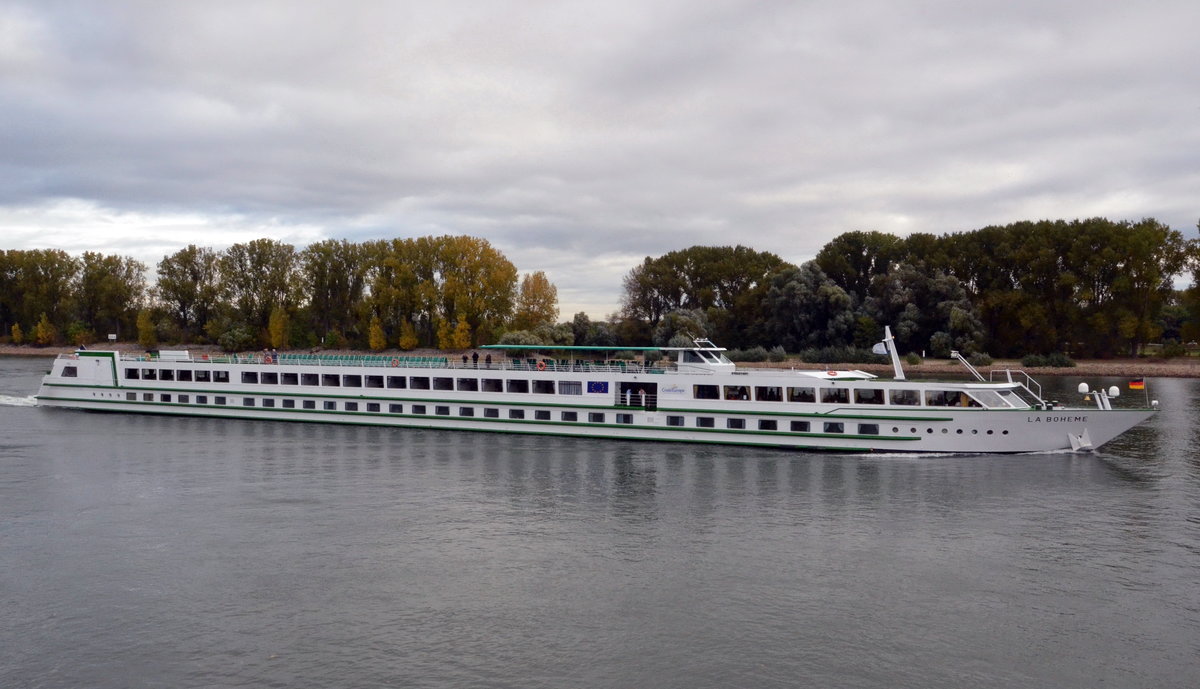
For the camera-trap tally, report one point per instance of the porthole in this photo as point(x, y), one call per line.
point(929, 430)
point(895, 429)
point(912, 430)
point(1003, 432)
point(974, 431)
point(959, 431)
point(945, 430)
point(990, 431)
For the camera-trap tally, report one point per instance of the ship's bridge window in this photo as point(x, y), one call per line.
point(166, 374)
point(543, 387)
point(418, 383)
point(249, 377)
point(737, 392)
point(802, 395)
point(908, 398)
point(706, 392)
point(310, 379)
point(690, 357)
point(220, 376)
point(518, 385)
point(184, 375)
point(131, 374)
point(331, 380)
point(868, 395)
point(353, 381)
point(570, 387)
point(1013, 399)
point(768, 394)
point(468, 384)
point(989, 398)
point(203, 376)
point(149, 374)
point(835, 395)
point(70, 372)
point(443, 383)
point(493, 385)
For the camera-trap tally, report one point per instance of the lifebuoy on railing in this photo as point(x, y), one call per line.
point(395, 362)
point(267, 359)
point(541, 366)
point(832, 374)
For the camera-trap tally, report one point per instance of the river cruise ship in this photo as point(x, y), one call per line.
point(695, 394)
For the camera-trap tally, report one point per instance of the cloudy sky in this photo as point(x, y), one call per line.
point(581, 137)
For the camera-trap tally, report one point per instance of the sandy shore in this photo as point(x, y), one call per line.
point(1131, 368)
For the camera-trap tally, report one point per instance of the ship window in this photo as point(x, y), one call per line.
point(201, 399)
point(570, 387)
point(596, 417)
point(289, 379)
point(835, 395)
point(247, 401)
point(705, 422)
point(518, 386)
point(443, 383)
point(375, 382)
point(70, 372)
point(372, 406)
point(131, 374)
point(690, 357)
point(147, 396)
point(397, 382)
point(249, 377)
point(310, 404)
point(220, 376)
point(802, 395)
point(543, 387)
point(166, 374)
point(541, 415)
point(351, 406)
point(868, 429)
point(289, 404)
point(164, 398)
point(331, 380)
point(493, 385)
point(184, 399)
point(184, 375)
point(737, 392)
point(989, 398)
point(768, 425)
point(418, 409)
point(466, 411)
point(219, 399)
point(516, 413)
point(949, 398)
point(835, 427)
point(309, 379)
point(868, 396)
point(352, 381)
point(570, 416)
point(735, 423)
point(418, 383)
point(490, 413)
point(395, 408)
point(768, 394)
point(800, 427)
point(908, 398)
point(329, 405)
point(203, 376)
point(468, 384)
point(269, 378)
point(268, 402)
point(131, 397)
point(624, 418)
point(705, 392)
point(674, 420)
point(149, 374)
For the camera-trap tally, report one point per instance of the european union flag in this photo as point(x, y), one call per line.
point(598, 386)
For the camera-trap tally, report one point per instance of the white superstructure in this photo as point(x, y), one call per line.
point(697, 395)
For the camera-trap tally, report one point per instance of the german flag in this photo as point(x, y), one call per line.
point(1137, 384)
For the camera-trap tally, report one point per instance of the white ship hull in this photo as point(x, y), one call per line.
point(593, 400)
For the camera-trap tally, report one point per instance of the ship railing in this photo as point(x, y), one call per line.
point(1019, 377)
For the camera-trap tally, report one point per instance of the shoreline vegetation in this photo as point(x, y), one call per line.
point(1180, 367)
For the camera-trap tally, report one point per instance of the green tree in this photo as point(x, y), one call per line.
point(189, 288)
point(257, 277)
point(147, 333)
point(851, 260)
point(335, 279)
point(806, 309)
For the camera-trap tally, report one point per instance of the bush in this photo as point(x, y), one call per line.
point(753, 354)
point(980, 359)
point(1053, 360)
point(1172, 349)
point(841, 355)
point(912, 359)
point(237, 338)
point(777, 354)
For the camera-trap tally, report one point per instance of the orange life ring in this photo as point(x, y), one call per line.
point(395, 362)
point(541, 366)
point(267, 359)
point(832, 374)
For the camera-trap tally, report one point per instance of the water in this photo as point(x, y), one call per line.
point(139, 551)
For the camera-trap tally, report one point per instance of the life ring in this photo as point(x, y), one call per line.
point(395, 362)
point(832, 374)
point(541, 366)
point(267, 359)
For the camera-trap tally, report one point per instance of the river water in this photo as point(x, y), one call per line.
point(142, 551)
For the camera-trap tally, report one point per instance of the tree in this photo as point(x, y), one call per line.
point(278, 328)
point(18, 336)
point(335, 279)
point(681, 325)
point(851, 260)
point(537, 302)
point(257, 277)
point(44, 333)
point(189, 289)
point(376, 339)
point(804, 308)
point(147, 333)
point(926, 310)
point(461, 339)
point(408, 336)
point(109, 291)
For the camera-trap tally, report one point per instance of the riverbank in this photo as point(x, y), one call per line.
point(933, 368)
